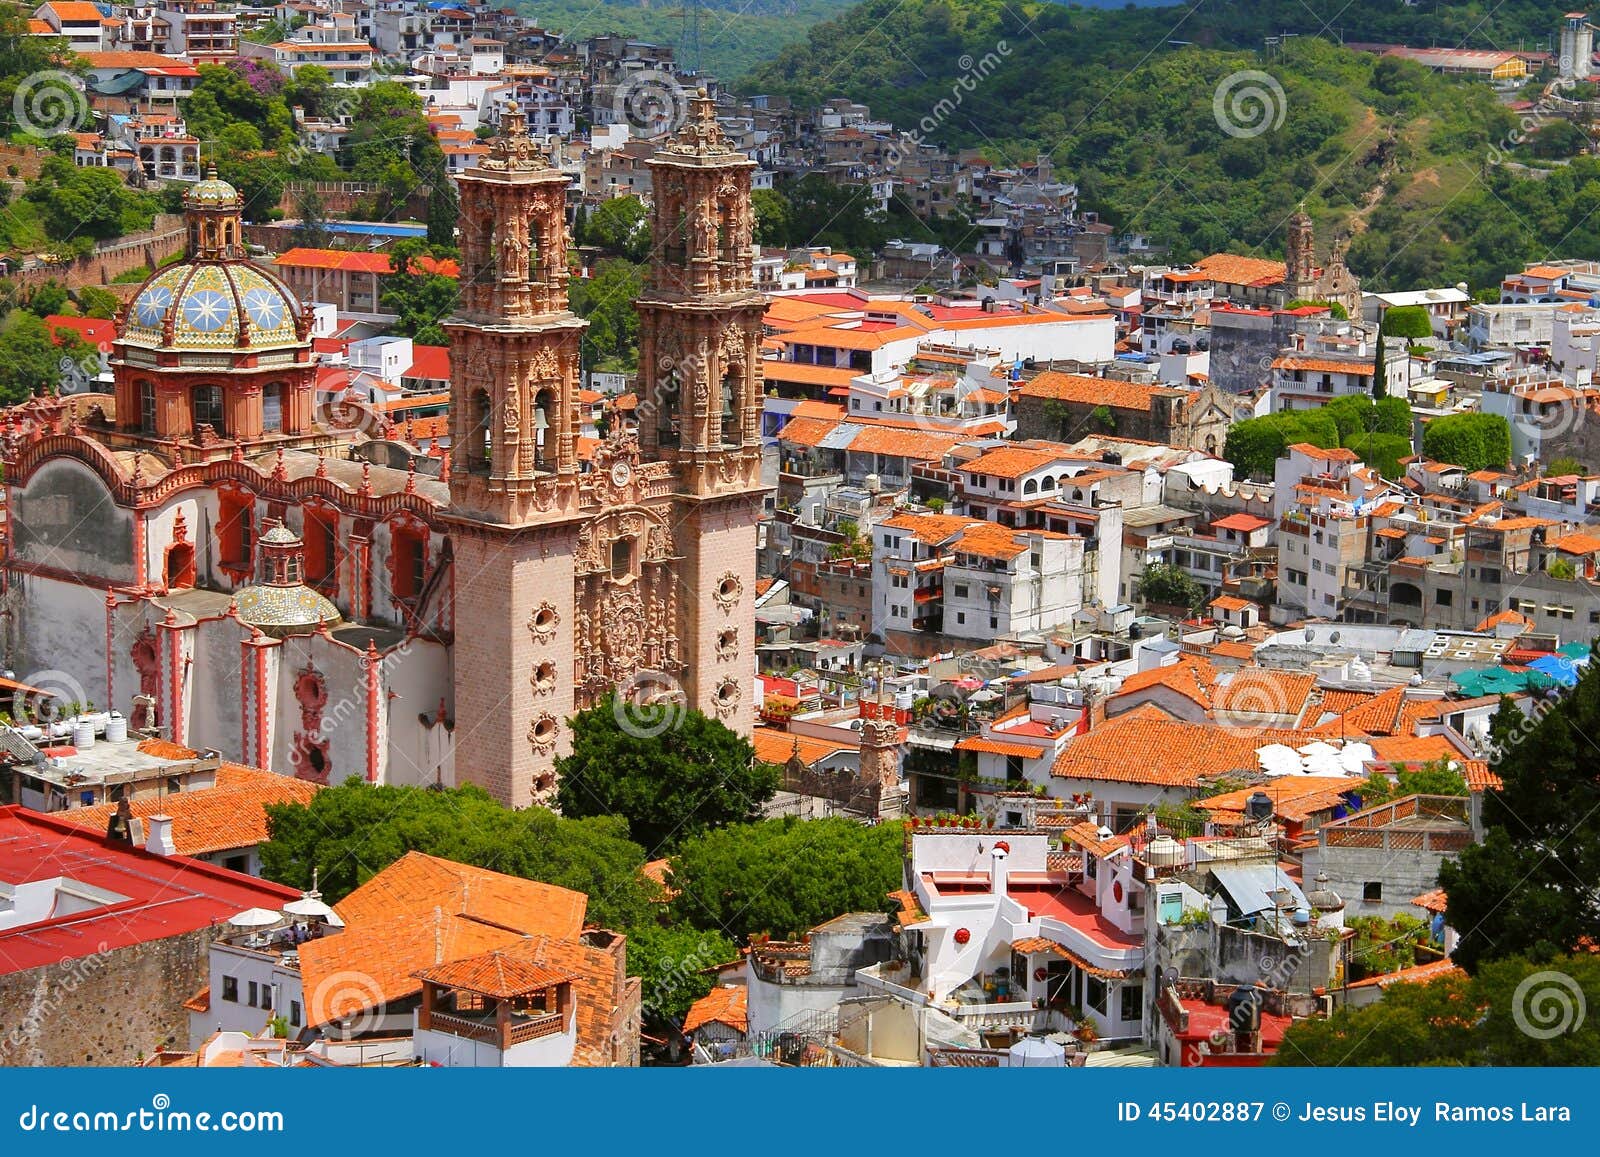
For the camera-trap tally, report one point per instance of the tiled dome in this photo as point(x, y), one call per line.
point(284, 610)
point(211, 193)
point(209, 303)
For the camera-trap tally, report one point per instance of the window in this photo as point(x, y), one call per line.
point(322, 546)
point(240, 864)
point(272, 408)
point(254, 989)
point(961, 616)
point(961, 590)
point(236, 531)
point(1094, 994)
point(1372, 892)
point(294, 1013)
point(206, 409)
point(994, 623)
point(1445, 598)
point(147, 408)
point(1132, 1002)
point(622, 558)
point(230, 989)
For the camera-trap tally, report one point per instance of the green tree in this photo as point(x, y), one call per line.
point(1255, 444)
point(672, 962)
point(785, 876)
point(51, 297)
point(1167, 585)
point(1407, 321)
point(311, 88)
point(1384, 944)
point(30, 363)
point(444, 207)
point(349, 833)
point(1471, 441)
point(772, 217)
point(606, 300)
point(620, 227)
point(1435, 778)
point(1514, 893)
point(96, 302)
point(1561, 467)
point(1380, 373)
point(1460, 1020)
point(312, 230)
point(670, 771)
point(90, 203)
point(419, 298)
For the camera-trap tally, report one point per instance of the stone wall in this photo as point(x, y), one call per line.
point(144, 250)
point(103, 1009)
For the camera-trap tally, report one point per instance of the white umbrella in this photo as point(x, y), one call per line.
point(256, 918)
point(306, 906)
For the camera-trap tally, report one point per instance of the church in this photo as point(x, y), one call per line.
point(202, 551)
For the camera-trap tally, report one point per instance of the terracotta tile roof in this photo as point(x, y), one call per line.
point(1191, 676)
point(200, 1001)
point(1479, 777)
point(1577, 543)
point(500, 972)
point(1085, 834)
point(807, 431)
point(774, 370)
point(1003, 543)
point(1416, 974)
point(728, 1004)
point(1377, 716)
point(1231, 269)
point(1000, 747)
point(1415, 750)
point(230, 815)
point(778, 747)
point(1229, 603)
point(1433, 901)
point(930, 529)
point(166, 749)
point(1241, 522)
point(358, 261)
point(1231, 650)
point(1324, 365)
point(1013, 461)
point(910, 912)
point(1260, 691)
point(922, 445)
point(806, 408)
point(1037, 944)
point(1095, 391)
point(1506, 618)
point(418, 883)
point(1032, 944)
point(1340, 455)
point(1294, 797)
point(1145, 746)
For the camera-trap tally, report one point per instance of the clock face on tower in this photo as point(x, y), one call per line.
point(621, 475)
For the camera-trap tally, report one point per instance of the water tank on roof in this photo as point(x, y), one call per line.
point(1180, 345)
point(1034, 1053)
point(1164, 852)
point(1259, 806)
point(873, 484)
point(1244, 1008)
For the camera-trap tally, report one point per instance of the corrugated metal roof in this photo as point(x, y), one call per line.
point(1253, 888)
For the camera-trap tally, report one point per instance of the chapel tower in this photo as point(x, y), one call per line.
point(636, 571)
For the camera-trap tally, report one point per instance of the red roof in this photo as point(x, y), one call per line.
point(93, 330)
point(431, 362)
point(363, 262)
point(165, 896)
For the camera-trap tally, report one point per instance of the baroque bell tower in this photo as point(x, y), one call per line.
point(636, 570)
point(700, 399)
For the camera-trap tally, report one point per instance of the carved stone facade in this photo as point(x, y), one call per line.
point(1304, 280)
point(639, 570)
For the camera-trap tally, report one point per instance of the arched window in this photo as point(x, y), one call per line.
point(480, 447)
point(1047, 484)
point(544, 430)
point(147, 408)
point(1031, 486)
point(731, 434)
point(206, 409)
point(272, 408)
point(668, 391)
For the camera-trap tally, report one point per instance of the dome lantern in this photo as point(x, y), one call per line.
point(212, 207)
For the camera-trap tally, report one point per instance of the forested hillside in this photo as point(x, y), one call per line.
point(1127, 103)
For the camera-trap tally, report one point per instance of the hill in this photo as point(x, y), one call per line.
point(1178, 124)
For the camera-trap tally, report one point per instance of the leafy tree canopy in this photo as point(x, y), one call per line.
point(670, 771)
point(351, 832)
point(1170, 586)
point(1459, 1020)
point(620, 227)
point(785, 876)
point(1471, 441)
point(1410, 321)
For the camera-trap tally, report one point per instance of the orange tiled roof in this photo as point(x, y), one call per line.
point(807, 431)
point(1323, 365)
point(1095, 391)
point(501, 972)
point(1416, 974)
point(728, 1004)
point(231, 814)
point(1260, 691)
point(1294, 797)
point(1578, 542)
point(923, 445)
point(999, 747)
point(1377, 716)
point(774, 370)
point(1012, 461)
point(1231, 269)
point(1145, 746)
point(1337, 702)
point(910, 912)
point(1191, 676)
point(1229, 603)
point(418, 883)
point(778, 747)
point(930, 529)
point(1433, 901)
point(1506, 618)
